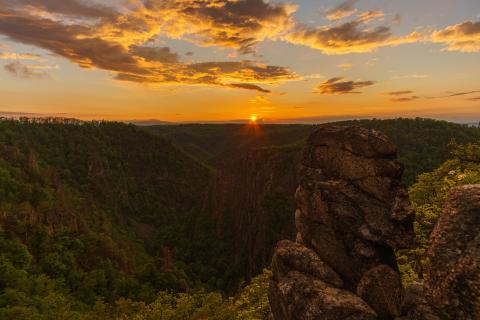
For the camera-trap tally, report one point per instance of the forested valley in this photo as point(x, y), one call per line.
point(105, 220)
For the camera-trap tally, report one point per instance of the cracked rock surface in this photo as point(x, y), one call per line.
point(352, 213)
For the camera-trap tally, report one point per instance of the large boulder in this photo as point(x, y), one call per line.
point(452, 284)
point(299, 296)
point(353, 212)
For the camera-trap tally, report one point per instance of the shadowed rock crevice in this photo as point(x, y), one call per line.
point(352, 213)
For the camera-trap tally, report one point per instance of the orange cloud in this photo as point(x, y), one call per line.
point(464, 37)
point(370, 15)
point(348, 37)
point(343, 10)
point(236, 24)
point(19, 56)
point(83, 46)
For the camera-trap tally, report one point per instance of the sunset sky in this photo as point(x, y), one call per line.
point(223, 60)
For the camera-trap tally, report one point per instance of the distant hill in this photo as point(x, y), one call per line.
point(251, 196)
point(422, 143)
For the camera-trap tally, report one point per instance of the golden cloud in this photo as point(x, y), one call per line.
point(464, 37)
point(236, 24)
point(348, 37)
point(18, 56)
point(123, 39)
point(65, 7)
point(370, 15)
point(83, 45)
point(343, 10)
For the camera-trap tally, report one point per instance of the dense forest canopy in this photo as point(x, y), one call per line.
point(102, 220)
point(422, 143)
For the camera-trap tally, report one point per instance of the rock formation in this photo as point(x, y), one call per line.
point(452, 284)
point(353, 212)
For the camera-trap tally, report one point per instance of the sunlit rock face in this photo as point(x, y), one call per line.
point(352, 213)
point(452, 285)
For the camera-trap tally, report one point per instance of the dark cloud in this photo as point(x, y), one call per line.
point(402, 96)
point(474, 99)
point(343, 10)
point(456, 94)
point(238, 24)
point(341, 86)
point(405, 99)
point(163, 54)
point(23, 71)
point(68, 7)
point(249, 86)
point(73, 42)
point(398, 93)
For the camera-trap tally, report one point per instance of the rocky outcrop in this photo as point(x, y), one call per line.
point(452, 284)
point(352, 213)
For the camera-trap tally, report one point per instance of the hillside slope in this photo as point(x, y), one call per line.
point(94, 211)
point(251, 195)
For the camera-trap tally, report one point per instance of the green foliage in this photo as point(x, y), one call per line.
point(428, 195)
point(250, 304)
point(107, 221)
point(98, 211)
point(422, 143)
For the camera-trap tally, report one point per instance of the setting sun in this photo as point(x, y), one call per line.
point(253, 118)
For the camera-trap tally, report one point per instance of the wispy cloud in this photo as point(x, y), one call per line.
point(397, 19)
point(410, 76)
point(345, 66)
point(343, 10)
point(335, 86)
point(464, 93)
point(24, 71)
point(19, 56)
point(370, 15)
point(398, 93)
point(402, 96)
point(249, 86)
